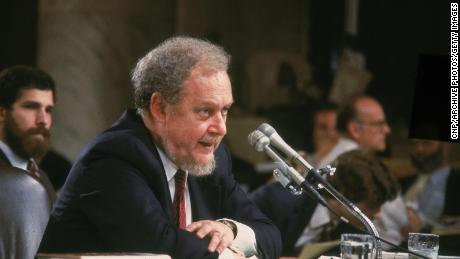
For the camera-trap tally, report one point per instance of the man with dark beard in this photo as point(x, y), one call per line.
point(433, 192)
point(159, 180)
point(27, 98)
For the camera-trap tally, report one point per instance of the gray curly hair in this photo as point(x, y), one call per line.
point(165, 68)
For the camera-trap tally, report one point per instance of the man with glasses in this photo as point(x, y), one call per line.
point(362, 125)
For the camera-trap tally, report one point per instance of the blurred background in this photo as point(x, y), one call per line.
point(287, 58)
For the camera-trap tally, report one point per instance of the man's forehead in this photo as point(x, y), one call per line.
point(35, 94)
point(206, 87)
point(370, 109)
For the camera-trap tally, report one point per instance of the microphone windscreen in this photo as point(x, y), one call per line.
point(266, 129)
point(258, 140)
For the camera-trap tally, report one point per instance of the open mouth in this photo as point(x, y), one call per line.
point(206, 144)
point(208, 147)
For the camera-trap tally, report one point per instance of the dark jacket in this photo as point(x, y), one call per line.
point(289, 212)
point(116, 199)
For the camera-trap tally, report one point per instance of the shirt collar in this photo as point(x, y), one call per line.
point(14, 159)
point(168, 165)
point(320, 217)
point(352, 144)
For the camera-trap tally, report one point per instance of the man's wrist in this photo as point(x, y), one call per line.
point(230, 224)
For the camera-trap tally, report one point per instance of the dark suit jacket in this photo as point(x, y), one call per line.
point(289, 212)
point(56, 167)
point(116, 199)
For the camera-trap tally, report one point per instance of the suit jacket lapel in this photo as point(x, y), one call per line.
point(154, 169)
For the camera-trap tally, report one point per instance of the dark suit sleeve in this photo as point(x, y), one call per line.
point(239, 207)
point(129, 216)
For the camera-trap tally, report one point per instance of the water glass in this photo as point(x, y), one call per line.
point(424, 244)
point(357, 246)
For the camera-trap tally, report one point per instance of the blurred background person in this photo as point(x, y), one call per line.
point(325, 134)
point(363, 125)
point(360, 176)
point(431, 194)
point(434, 189)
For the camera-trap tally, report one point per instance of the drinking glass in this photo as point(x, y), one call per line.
point(424, 244)
point(357, 246)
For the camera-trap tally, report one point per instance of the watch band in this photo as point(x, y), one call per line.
point(231, 225)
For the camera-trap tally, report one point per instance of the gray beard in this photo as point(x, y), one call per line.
point(189, 164)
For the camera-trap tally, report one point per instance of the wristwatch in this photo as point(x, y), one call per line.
point(231, 225)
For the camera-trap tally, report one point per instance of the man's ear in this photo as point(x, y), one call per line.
point(354, 130)
point(157, 107)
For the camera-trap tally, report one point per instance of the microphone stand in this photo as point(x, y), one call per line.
point(313, 181)
point(315, 176)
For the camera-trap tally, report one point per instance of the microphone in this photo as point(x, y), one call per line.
point(261, 142)
point(266, 135)
point(279, 143)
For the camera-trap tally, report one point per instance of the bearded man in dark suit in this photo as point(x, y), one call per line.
point(127, 191)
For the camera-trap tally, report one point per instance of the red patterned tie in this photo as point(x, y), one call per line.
point(179, 199)
point(33, 167)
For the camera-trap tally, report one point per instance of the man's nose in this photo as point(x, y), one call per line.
point(386, 128)
point(43, 117)
point(218, 125)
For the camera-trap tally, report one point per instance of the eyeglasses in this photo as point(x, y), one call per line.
point(376, 124)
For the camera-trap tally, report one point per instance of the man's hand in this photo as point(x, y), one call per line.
point(221, 235)
point(414, 225)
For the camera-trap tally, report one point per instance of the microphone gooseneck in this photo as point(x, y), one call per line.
point(265, 136)
point(256, 139)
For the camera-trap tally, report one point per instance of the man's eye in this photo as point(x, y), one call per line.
point(30, 106)
point(205, 111)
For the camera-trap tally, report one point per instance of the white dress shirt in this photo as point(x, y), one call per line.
point(14, 159)
point(245, 240)
point(343, 145)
